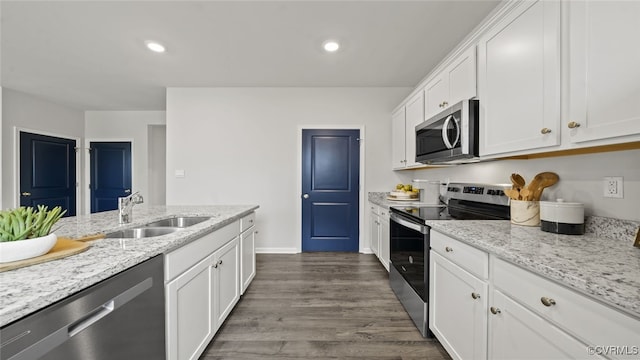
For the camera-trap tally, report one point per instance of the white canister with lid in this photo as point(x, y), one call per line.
point(562, 217)
point(429, 191)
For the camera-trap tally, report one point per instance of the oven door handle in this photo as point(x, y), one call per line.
point(417, 227)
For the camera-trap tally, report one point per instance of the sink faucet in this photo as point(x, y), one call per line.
point(125, 206)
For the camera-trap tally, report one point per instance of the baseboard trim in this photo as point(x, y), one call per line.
point(271, 250)
point(366, 251)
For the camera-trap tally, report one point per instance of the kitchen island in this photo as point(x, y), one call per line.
point(29, 289)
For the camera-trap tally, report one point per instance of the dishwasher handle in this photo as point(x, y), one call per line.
point(65, 333)
point(90, 318)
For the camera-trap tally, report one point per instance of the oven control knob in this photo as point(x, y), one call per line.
point(410, 259)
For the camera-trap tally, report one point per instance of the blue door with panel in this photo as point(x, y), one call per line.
point(48, 172)
point(110, 168)
point(330, 188)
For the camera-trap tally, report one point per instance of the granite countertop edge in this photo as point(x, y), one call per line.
point(26, 290)
point(600, 268)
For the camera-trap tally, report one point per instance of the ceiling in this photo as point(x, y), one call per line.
point(90, 55)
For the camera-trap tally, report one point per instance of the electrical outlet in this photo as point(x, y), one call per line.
point(613, 187)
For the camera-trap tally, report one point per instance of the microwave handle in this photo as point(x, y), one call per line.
point(445, 138)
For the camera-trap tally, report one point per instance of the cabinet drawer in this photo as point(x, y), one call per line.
point(181, 259)
point(247, 221)
point(590, 321)
point(467, 257)
point(384, 213)
point(374, 209)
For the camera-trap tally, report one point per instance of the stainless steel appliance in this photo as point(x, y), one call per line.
point(121, 317)
point(410, 244)
point(450, 136)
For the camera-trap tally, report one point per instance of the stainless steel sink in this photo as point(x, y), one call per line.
point(143, 232)
point(180, 222)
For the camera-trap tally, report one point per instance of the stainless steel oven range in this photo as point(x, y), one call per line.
point(409, 237)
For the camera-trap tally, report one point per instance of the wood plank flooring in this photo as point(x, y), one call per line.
point(320, 306)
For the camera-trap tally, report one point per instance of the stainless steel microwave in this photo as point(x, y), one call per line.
point(451, 136)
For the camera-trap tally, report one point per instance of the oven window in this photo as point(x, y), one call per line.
point(429, 140)
point(409, 257)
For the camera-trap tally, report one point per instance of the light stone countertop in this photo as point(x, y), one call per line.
point(602, 263)
point(605, 268)
point(26, 290)
point(380, 199)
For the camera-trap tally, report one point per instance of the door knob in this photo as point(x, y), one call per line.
point(26, 194)
point(305, 196)
point(126, 191)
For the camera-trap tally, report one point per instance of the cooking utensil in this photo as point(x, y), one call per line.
point(512, 193)
point(518, 181)
point(540, 182)
point(525, 194)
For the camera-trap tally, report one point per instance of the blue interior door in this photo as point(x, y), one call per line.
point(330, 187)
point(110, 168)
point(48, 172)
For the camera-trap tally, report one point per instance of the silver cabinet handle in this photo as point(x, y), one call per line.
point(448, 249)
point(220, 262)
point(215, 266)
point(305, 196)
point(475, 295)
point(495, 310)
point(547, 302)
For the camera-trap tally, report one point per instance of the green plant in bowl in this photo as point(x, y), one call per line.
point(27, 223)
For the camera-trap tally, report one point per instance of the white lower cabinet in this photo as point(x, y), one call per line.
point(203, 283)
point(517, 333)
point(457, 309)
point(515, 314)
point(226, 281)
point(374, 232)
point(384, 238)
point(190, 312)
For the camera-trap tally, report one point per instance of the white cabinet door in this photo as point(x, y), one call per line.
point(462, 77)
point(248, 257)
point(374, 231)
point(457, 309)
point(436, 95)
point(384, 238)
point(398, 131)
point(517, 333)
point(455, 83)
point(604, 69)
point(226, 280)
point(519, 80)
point(190, 312)
point(414, 116)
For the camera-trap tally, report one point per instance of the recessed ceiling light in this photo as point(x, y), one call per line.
point(331, 46)
point(155, 46)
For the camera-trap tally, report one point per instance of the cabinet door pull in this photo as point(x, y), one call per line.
point(448, 249)
point(573, 125)
point(545, 131)
point(547, 302)
point(220, 262)
point(475, 295)
point(495, 310)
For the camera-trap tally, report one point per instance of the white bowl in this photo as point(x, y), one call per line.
point(25, 249)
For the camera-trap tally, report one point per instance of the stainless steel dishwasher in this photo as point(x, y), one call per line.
point(121, 317)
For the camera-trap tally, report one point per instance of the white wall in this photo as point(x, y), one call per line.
point(25, 111)
point(239, 146)
point(157, 168)
point(581, 179)
point(125, 126)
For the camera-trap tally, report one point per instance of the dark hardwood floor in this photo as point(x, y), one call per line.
point(320, 306)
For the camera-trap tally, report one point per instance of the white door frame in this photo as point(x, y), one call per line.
point(361, 198)
point(16, 163)
point(87, 166)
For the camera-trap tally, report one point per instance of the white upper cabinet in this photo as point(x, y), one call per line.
point(414, 116)
point(604, 70)
point(398, 159)
point(519, 79)
point(455, 83)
